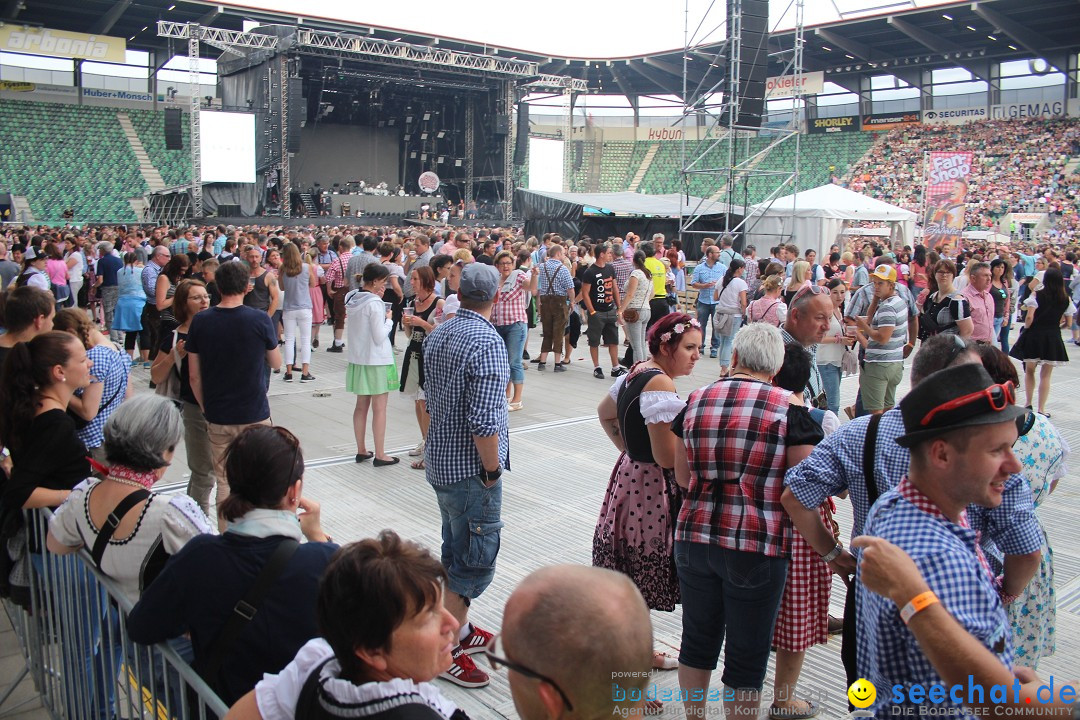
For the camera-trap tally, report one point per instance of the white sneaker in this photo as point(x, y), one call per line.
point(417, 451)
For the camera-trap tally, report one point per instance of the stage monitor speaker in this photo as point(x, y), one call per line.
point(297, 113)
point(174, 136)
point(521, 142)
point(753, 59)
point(502, 124)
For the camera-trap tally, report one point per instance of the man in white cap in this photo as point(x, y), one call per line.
point(885, 327)
point(468, 445)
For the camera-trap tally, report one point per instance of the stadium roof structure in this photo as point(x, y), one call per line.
point(970, 35)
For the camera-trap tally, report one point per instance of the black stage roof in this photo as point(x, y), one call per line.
point(898, 43)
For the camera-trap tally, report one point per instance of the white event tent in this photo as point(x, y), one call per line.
point(817, 218)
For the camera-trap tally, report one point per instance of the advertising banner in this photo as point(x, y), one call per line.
point(955, 116)
point(58, 43)
point(813, 83)
point(843, 123)
point(888, 121)
point(14, 86)
point(1025, 110)
point(945, 197)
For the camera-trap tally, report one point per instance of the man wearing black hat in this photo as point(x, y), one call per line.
point(959, 427)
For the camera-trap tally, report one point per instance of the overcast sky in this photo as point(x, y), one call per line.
point(576, 28)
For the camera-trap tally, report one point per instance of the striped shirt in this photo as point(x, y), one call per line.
point(891, 312)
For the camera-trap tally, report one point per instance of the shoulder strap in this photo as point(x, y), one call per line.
point(113, 521)
point(307, 705)
point(245, 610)
point(869, 451)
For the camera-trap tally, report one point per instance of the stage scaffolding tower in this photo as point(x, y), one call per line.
point(728, 157)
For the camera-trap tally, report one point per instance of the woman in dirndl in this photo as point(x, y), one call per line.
point(1039, 345)
point(635, 531)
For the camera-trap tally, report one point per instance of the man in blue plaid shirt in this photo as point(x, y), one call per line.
point(468, 445)
point(960, 428)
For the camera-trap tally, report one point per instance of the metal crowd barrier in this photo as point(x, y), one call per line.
point(77, 649)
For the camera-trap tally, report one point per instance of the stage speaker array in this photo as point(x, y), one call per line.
point(521, 142)
point(174, 135)
point(579, 149)
point(297, 113)
point(753, 59)
point(502, 125)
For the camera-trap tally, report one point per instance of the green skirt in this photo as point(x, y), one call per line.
point(371, 379)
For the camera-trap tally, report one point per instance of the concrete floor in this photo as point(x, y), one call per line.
point(561, 463)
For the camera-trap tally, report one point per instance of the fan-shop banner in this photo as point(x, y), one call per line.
point(947, 178)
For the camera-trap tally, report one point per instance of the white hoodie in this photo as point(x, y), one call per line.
point(367, 330)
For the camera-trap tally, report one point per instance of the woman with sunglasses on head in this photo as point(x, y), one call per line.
point(509, 317)
point(419, 320)
point(1003, 292)
point(266, 517)
point(1042, 453)
point(191, 298)
point(383, 636)
point(1047, 311)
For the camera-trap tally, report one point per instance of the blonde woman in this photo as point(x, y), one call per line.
point(800, 278)
point(770, 307)
point(297, 278)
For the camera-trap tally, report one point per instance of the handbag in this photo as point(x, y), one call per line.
point(170, 386)
point(849, 362)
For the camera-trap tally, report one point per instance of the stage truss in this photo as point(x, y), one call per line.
point(702, 109)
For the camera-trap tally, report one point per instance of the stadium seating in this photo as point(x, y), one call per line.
point(68, 156)
point(174, 165)
point(1019, 165)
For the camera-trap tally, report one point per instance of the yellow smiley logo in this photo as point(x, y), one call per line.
point(862, 693)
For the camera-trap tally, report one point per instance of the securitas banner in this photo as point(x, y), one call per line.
point(955, 116)
point(947, 177)
point(888, 121)
point(844, 123)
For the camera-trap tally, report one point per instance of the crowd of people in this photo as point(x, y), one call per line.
point(1020, 166)
point(722, 503)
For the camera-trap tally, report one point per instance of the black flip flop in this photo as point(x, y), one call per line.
point(366, 456)
point(383, 463)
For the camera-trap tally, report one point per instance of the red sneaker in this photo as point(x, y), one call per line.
point(475, 641)
point(464, 671)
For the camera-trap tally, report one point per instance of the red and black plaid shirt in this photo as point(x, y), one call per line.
point(735, 431)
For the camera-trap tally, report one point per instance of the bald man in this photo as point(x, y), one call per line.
point(577, 643)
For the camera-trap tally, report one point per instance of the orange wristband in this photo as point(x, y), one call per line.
point(917, 603)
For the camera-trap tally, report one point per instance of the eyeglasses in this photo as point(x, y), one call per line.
point(496, 656)
point(997, 398)
point(812, 289)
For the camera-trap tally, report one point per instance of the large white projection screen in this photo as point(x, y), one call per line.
point(545, 164)
point(228, 146)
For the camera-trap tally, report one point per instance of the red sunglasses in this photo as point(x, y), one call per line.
point(997, 397)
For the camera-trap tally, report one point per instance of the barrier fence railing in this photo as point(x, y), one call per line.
point(75, 641)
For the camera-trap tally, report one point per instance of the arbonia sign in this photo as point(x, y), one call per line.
point(42, 41)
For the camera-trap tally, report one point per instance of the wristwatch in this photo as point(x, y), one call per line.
point(490, 476)
point(833, 554)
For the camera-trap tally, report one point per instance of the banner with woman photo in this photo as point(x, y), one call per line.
point(945, 197)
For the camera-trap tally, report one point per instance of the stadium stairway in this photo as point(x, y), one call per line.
point(644, 167)
point(149, 173)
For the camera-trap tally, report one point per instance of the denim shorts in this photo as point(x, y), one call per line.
point(733, 593)
point(471, 529)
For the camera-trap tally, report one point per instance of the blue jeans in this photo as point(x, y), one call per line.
point(471, 527)
point(704, 317)
point(733, 593)
point(1003, 338)
point(830, 383)
point(727, 341)
point(514, 337)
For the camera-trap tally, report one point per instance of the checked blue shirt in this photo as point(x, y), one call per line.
point(466, 371)
point(835, 465)
point(947, 556)
point(705, 274)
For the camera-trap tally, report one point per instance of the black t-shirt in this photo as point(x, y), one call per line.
point(601, 282)
point(52, 457)
point(232, 344)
